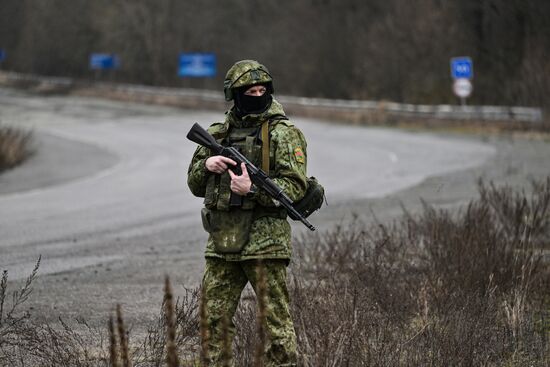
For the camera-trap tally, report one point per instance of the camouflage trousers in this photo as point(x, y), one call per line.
point(223, 283)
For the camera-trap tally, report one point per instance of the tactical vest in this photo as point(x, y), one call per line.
point(218, 192)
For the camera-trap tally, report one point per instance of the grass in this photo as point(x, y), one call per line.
point(15, 146)
point(439, 288)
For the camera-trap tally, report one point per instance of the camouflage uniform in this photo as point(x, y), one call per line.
point(255, 233)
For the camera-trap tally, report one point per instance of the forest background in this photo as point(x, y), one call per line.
point(352, 49)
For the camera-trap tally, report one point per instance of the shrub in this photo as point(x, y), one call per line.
point(15, 146)
point(440, 288)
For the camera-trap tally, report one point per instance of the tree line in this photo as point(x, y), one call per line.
point(353, 49)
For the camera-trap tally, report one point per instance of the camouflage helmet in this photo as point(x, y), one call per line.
point(245, 73)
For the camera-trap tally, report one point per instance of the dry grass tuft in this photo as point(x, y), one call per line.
point(15, 146)
point(13, 320)
point(23, 342)
point(461, 288)
point(440, 288)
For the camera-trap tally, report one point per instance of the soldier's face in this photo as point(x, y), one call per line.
point(255, 91)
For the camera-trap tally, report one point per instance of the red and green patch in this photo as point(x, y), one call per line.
point(299, 155)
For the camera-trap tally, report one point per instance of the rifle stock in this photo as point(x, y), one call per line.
point(200, 136)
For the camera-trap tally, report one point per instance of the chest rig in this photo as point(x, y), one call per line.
point(248, 140)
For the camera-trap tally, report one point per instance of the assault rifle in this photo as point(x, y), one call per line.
point(258, 177)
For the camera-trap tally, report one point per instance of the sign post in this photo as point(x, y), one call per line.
point(462, 71)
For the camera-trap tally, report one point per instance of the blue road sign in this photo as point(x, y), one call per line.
point(104, 61)
point(2, 54)
point(197, 65)
point(462, 67)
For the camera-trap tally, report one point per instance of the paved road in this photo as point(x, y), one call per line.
point(104, 200)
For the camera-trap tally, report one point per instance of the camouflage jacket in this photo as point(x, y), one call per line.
point(269, 236)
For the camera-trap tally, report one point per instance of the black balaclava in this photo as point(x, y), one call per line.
point(248, 105)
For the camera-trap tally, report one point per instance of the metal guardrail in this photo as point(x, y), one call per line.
point(492, 113)
point(495, 113)
point(10, 76)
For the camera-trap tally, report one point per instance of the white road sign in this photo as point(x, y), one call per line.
point(462, 87)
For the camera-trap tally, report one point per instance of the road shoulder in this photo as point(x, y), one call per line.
point(56, 161)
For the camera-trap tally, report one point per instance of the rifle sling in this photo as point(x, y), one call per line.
point(265, 147)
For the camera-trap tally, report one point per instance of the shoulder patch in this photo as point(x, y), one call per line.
point(299, 155)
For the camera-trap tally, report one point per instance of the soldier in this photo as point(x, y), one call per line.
point(247, 229)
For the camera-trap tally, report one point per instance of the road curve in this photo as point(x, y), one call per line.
point(113, 190)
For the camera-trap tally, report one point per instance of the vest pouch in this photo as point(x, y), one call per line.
point(312, 200)
point(253, 152)
point(230, 230)
point(211, 195)
point(205, 216)
point(224, 192)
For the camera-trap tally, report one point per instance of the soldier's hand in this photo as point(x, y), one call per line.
point(219, 164)
point(240, 184)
